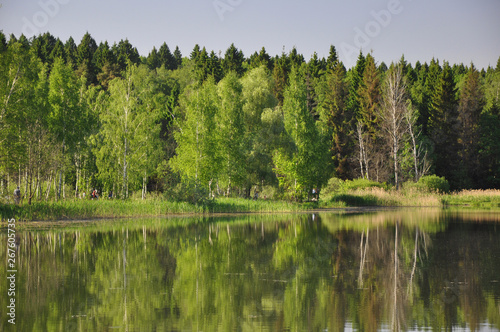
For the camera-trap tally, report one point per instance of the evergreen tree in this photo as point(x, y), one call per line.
point(233, 61)
point(332, 59)
point(153, 60)
point(280, 76)
point(195, 52)
point(443, 125)
point(470, 106)
point(3, 42)
point(214, 67)
point(103, 56)
point(368, 127)
point(124, 53)
point(356, 80)
point(177, 57)
point(335, 105)
point(313, 72)
point(71, 52)
point(261, 59)
point(166, 57)
point(85, 58)
point(57, 51)
point(295, 59)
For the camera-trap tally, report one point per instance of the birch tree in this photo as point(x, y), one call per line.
point(392, 113)
point(129, 136)
point(230, 122)
point(65, 116)
point(197, 154)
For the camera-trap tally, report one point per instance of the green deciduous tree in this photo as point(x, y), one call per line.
point(65, 120)
point(197, 156)
point(230, 132)
point(128, 146)
point(303, 168)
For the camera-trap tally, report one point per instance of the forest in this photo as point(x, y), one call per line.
point(77, 117)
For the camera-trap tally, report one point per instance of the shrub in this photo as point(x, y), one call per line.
point(357, 184)
point(269, 192)
point(188, 191)
point(333, 186)
point(338, 186)
point(434, 183)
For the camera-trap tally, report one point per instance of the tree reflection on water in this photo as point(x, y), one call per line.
point(389, 270)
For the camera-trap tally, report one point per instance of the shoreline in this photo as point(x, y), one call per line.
point(355, 202)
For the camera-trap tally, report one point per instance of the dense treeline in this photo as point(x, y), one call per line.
point(78, 117)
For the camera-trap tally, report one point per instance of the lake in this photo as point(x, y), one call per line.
point(389, 270)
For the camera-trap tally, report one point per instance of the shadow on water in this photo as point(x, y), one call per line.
point(396, 270)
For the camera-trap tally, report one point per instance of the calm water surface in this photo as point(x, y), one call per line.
point(403, 270)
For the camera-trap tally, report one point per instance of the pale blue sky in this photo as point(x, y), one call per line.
point(459, 31)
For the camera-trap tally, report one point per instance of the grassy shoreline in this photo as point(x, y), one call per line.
point(154, 207)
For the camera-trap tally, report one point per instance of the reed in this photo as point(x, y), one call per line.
point(77, 209)
point(476, 198)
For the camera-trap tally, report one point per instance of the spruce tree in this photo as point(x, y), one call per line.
point(177, 57)
point(335, 101)
point(85, 58)
point(153, 59)
point(368, 127)
point(57, 51)
point(3, 42)
point(233, 61)
point(71, 51)
point(166, 58)
point(444, 126)
point(125, 53)
point(470, 106)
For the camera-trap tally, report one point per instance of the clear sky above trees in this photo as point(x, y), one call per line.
point(459, 31)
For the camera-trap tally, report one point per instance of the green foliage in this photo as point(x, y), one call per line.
point(189, 191)
point(231, 123)
point(434, 183)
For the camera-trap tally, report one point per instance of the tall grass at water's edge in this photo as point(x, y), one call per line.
point(88, 209)
point(412, 198)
